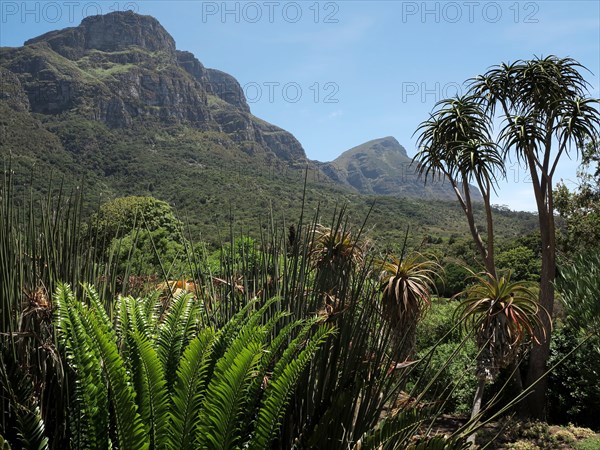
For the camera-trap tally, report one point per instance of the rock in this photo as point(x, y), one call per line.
point(112, 32)
point(12, 92)
point(227, 89)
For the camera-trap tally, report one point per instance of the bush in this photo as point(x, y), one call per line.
point(591, 443)
point(123, 215)
point(146, 252)
point(436, 322)
point(456, 383)
point(521, 261)
point(455, 280)
point(574, 386)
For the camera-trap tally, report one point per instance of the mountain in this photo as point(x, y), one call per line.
point(112, 107)
point(123, 67)
point(382, 167)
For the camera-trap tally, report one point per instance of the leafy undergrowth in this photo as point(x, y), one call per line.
point(512, 435)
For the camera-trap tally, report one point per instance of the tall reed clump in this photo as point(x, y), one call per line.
point(351, 394)
point(40, 245)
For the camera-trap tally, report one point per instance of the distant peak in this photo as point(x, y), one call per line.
point(376, 147)
point(390, 139)
point(388, 142)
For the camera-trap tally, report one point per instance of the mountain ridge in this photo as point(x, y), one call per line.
point(382, 167)
point(127, 113)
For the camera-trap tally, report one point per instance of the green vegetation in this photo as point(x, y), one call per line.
point(581, 208)
point(539, 435)
point(167, 383)
point(503, 315)
point(575, 384)
point(117, 368)
point(193, 288)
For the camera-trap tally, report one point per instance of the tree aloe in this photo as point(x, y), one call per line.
point(455, 145)
point(544, 108)
point(503, 314)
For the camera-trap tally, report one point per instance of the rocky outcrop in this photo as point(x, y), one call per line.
point(227, 89)
point(191, 65)
point(112, 32)
point(12, 92)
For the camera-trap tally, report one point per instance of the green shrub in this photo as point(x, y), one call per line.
point(574, 386)
point(456, 382)
point(144, 252)
point(591, 443)
point(521, 261)
point(454, 280)
point(436, 323)
point(123, 215)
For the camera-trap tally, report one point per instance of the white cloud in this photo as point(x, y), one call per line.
point(335, 114)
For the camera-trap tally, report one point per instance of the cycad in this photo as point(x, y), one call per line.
point(211, 394)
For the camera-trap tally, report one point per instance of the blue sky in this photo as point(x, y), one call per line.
point(337, 74)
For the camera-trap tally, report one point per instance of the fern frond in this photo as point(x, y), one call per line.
point(292, 348)
point(128, 423)
point(151, 309)
point(97, 306)
point(393, 432)
point(122, 325)
point(270, 354)
point(17, 387)
point(174, 334)
point(189, 390)
point(4, 445)
point(280, 389)
point(255, 318)
point(129, 349)
point(89, 411)
point(153, 398)
point(220, 417)
point(142, 320)
point(232, 327)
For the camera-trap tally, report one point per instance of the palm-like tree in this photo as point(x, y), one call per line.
point(545, 110)
point(503, 314)
point(406, 288)
point(455, 144)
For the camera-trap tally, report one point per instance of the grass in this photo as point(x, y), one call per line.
point(591, 443)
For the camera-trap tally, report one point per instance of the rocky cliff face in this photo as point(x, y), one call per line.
point(114, 32)
point(382, 167)
point(124, 67)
